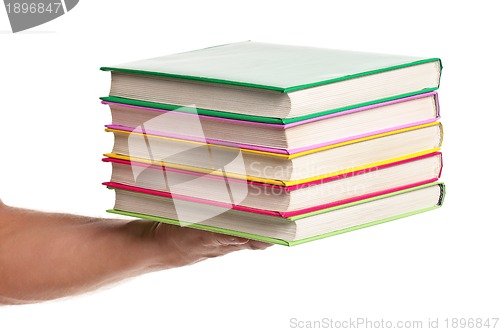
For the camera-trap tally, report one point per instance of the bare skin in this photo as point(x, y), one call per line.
point(45, 256)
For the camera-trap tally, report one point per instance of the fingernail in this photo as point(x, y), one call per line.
point(238, 240)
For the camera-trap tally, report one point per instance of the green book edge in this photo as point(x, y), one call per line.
point(254, 118)
point(366, 200)
point(273, 88)
point(296, 242)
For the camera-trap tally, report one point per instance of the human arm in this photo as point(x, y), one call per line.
point(45, 256)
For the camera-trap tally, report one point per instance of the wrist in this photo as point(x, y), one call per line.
point(138, 244)
point(155, 252)
point(172, 246)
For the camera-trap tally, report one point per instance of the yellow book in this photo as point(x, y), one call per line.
point(274, 168)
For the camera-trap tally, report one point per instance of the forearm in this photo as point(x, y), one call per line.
point(47, 255)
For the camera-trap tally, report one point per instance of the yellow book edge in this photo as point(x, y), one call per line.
point(265, 180)
point(285, 156)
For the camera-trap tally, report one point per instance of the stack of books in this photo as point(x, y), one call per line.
point(282, 144)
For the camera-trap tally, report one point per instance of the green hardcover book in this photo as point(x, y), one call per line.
point(270, 83)
point(286, 231)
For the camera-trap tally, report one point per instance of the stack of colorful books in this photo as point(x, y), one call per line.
point(282, 144)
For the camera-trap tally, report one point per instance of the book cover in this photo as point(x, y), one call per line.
point(278, 69)
point(282, 68)
point(183, 116)
point(438, 204)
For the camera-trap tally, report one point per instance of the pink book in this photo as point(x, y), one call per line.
point(272, 199)
point(278, 138)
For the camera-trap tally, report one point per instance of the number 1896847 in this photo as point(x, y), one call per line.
point(33, 7)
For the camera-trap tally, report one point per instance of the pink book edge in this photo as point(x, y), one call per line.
point(274, 150)
point(287, 188)
point(189, 198)
point(182, 171)
point(441, 167)
point(350, 138)
point(364, 108)
point(201, 140)
point(362, 171)
point(354, 199)
point(266, 212)
point(284, 126)
point(438, 107)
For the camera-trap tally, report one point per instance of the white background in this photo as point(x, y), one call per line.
point(439, 264)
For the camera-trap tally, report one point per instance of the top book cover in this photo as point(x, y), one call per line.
point(271, 81)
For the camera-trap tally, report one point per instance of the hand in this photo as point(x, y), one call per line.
point(184, 246)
